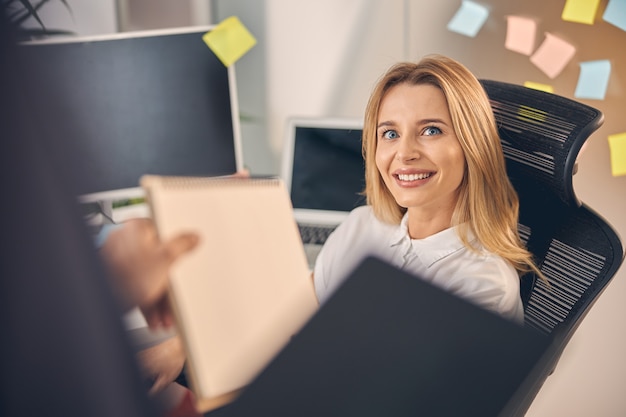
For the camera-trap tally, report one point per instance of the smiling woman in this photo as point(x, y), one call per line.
point(440, 204)
point(419, 156)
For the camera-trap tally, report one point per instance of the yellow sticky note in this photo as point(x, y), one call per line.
point(538, 86)
point(617, 145)
point(532, 114)
point(229, 40)
point(580, 11)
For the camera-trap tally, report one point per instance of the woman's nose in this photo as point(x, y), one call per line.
point(407, 150)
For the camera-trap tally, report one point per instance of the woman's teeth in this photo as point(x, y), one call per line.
point(413, 177)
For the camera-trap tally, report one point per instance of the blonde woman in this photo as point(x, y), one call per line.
point(440, 204)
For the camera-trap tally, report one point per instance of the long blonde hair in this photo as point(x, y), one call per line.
point(487, 206)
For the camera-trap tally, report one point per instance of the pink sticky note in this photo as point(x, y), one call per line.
point(520, 34)
point(553, 55)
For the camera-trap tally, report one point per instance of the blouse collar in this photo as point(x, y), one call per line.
point(430, 249)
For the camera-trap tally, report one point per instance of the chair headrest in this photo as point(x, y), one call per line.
point(541, 135)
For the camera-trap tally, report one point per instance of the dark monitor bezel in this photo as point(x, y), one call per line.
point(136, 191)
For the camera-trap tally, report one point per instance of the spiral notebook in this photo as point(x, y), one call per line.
point(241, 295)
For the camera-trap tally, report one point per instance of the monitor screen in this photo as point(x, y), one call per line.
point(121, 106)
point(327, 168)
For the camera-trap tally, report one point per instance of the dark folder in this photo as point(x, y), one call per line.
point(389, 344)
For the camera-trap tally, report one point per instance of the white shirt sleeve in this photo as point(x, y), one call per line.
point(343, 251)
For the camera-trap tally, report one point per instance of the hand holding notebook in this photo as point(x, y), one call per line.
point(245, 290)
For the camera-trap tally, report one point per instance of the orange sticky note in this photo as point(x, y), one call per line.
point(229, 40)
point(580, 11)
point(617, 145)
point(538, 86)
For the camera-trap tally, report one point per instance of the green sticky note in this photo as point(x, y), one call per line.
point(580, 11)
point(617, 145)
point(229, 40)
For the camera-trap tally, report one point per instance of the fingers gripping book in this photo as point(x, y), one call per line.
point(245, 290)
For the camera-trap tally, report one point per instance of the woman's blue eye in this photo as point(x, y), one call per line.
point(390, 134)
point(432, 130)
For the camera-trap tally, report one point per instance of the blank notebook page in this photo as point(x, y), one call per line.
point(245, 290)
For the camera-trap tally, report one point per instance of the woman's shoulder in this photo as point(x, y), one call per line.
point(360, 229)
point(485, 266)
point(359, 215)
point(364, 218)
point(366, 213)
point(362, 211)
point(492, 282)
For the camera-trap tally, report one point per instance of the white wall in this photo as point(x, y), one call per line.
point(324, 55)
point(157, 14)
point(86, 18)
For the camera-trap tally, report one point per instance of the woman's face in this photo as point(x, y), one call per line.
point(418, 154)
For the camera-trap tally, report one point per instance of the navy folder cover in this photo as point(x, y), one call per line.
point(389, 344)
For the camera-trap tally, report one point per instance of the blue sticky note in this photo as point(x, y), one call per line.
point(615, 13)
point(468, 19)
point(593, 80)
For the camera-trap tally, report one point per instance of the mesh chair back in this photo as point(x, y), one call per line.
point(541, 135)
point(576, 249)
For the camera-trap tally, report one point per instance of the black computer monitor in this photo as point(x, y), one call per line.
point(129, 104)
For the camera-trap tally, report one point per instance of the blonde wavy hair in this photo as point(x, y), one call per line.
point(487, 205)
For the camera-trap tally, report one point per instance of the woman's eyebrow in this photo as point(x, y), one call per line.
point(432, 120)
point(418, 123)
point(387, 123)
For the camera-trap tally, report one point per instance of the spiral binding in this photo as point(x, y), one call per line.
point(169, 182)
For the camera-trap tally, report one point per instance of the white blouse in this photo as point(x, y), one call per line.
point(480, 277)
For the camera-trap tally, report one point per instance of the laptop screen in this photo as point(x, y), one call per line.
point(323, 164)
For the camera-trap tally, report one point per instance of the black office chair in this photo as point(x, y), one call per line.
point(576, 249)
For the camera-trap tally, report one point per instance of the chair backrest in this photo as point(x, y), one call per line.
point(576, 249)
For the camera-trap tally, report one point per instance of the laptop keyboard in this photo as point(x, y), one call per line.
point(315, 234)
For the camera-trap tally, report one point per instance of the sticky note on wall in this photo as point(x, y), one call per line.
point(229, 40)
point(553, 55)
point(617, 145)
point(468, 19)
point(615, 13)
point(520, 34)
point(593, 80)
point(580, 11)
point(538, 86)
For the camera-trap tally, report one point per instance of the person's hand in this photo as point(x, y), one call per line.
point(161, 364)
point(241, 174)
point(139, 264)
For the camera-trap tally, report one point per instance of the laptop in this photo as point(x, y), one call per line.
point(323, 169)
point(390, 344)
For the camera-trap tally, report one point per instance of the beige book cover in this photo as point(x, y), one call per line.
point(245, 290)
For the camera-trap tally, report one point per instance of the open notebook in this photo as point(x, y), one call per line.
point(323, 170)
point(245, 290)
